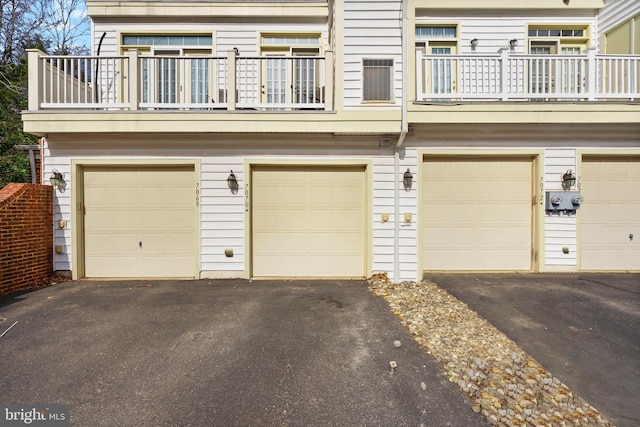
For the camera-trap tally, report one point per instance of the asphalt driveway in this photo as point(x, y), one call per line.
point(583, 328)
point(221, 353)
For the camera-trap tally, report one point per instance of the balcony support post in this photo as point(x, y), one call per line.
point(134, 79)
point(419, 75)
point(36, 77)
point(504, 73)
point(592, 74)
point(328, 80)
point(231, 80)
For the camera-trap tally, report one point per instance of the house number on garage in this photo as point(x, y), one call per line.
point(197, 194)
point(246, 197)
point(541, 190)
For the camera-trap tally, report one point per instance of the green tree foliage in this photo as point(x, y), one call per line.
point(59, 24)
point(14, 164)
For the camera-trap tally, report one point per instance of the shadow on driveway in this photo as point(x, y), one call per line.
point(583, 328)
point(228, 352)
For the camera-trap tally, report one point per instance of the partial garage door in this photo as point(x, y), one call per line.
point(477, 213)
point(610, 214)
point(140, 222)
point(309, 221)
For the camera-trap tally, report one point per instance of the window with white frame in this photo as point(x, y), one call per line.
point(174, 67)
point(439, 75)
point(557, 75)
point(377, 80)
point(292, 71)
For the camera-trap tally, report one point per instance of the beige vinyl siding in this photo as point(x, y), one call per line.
point(636, 36)
point(619, 39)
point(371, 31)
point(616, 12)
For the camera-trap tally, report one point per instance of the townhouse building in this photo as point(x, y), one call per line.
point(339, 138)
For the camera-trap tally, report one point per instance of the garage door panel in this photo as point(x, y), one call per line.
point(349, 242)
point(307, 220)
point(264, 242)
point(348, 222)
point(477, 213)
point(610, 212)
point(128, 205)
point(323, 220)
point(156, 220)
point(322, 197)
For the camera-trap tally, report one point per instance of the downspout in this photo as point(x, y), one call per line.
point(404, 128)
point(98, 66)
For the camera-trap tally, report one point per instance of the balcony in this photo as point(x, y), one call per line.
point(180, 83)
point(527, 78)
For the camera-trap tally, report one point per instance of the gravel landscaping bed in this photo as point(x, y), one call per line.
point(505, 385)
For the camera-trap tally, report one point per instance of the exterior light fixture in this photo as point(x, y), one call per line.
point(57, 180)
point(407, 180)
point(568, 180)
point(232, 182)
point(235, 49)
point(513, 43)
point(474, 43)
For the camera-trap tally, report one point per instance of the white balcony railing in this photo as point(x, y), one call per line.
point(135, 82)
point(510, 77)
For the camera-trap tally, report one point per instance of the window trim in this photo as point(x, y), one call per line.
point(583, 42)
point(392, 67)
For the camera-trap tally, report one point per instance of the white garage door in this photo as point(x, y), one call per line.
point(309, 221)
point(610, 214)
point(477, 213)
point(140, 222)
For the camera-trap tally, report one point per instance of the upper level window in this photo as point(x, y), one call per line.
point(166, 76)
point(377, 80)
point(554, 39)
point(556, 32)
point(290, 40)
point(436, 32)
point(292, 70)
point(167, 40)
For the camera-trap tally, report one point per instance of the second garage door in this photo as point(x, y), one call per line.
point(309, 221)
point(610, 214)
point(477, 213)
point(140, 222)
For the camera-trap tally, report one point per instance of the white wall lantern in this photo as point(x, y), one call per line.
point(407, 180)
point(57, 180)
point(568, 180)
point(232, 183)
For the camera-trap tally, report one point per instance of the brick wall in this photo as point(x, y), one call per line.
point(26, 237)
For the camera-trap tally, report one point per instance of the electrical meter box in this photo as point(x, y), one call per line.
point(563, 201)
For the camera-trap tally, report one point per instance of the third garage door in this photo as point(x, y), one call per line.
point(477, 213)
point(309, 221)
